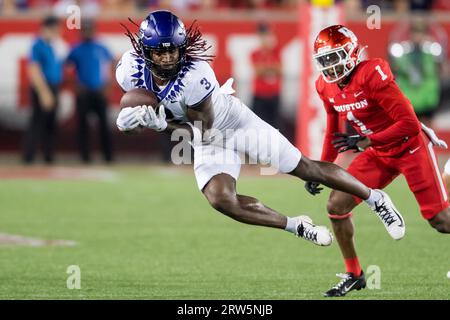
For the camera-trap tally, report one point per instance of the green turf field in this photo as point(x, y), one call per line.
point(149, 234)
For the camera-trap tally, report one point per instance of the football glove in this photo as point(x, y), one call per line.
point(433, 137)
point(149, 119)
point(346, 142)
point(127, 119)
point(313, 187)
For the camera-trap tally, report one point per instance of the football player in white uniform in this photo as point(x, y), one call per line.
point(170, 61)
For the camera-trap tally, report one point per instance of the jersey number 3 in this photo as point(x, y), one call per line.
point(206, 83)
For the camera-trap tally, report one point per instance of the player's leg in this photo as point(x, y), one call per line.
point(337, 178)
point(217, 170)
point(441, 221)
point(339, 209)
point(371, 171)
point(330, 175)
point(221, 194)
point(422, 174)
point(270, 146)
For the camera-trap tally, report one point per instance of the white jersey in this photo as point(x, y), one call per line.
point(195, 82)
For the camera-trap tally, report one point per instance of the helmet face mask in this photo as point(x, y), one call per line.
point(336, 53)
point(335, 64)
point(164, 71)
point(162, 32)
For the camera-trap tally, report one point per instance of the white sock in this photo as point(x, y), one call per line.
point(291, 225)
point(373, 197)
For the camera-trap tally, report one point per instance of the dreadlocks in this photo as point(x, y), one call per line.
point(196, 46)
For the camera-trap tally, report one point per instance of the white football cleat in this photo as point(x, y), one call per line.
point(319, 235)
point(389, 215)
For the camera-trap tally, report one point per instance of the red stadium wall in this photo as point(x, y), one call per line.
point(221, 31)
point(228, 38)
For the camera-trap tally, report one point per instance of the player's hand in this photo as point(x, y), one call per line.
point(433, 137)
point(345, 142)
point(149, 119)
point(128, 118)
point(313, 187)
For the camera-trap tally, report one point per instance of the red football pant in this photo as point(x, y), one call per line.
point(419, 166)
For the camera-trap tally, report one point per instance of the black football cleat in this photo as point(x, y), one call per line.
point(348, 283)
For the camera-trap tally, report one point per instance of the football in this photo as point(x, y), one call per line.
point(138, 97)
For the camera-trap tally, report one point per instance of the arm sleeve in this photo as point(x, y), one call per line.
point(202, 84)
point(385, 92)
point(329, 153)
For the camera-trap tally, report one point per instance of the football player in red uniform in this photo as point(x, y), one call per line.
point(389, 137)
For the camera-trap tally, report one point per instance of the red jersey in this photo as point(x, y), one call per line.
point(374, 105)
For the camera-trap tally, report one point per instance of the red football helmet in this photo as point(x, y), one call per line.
point(336, 52)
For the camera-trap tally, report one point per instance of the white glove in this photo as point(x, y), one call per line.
point(128, 118)
point(149, 119)
point(433, 137)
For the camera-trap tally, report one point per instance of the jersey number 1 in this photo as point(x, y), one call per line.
point(382, 74)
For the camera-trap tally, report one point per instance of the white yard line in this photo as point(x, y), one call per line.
point(18, 240)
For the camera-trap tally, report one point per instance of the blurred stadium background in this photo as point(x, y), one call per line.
point(122, 217)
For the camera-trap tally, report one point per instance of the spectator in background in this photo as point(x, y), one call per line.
point(93, 65)
point(417, 72)
point(267, 79)
point(45, 74)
